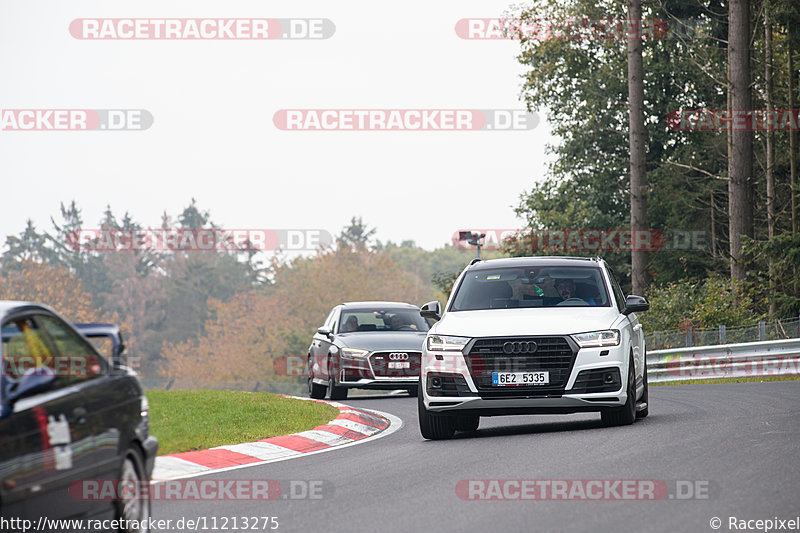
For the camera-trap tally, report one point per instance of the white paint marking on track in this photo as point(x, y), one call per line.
point(355, 426)
point(395, 423)
point(325, 437)
point(262, 450)
point(174, 468)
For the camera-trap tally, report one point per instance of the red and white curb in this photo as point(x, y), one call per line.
point(352, 426)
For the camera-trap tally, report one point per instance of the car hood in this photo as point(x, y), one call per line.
point(514, 322)
point(383, 340)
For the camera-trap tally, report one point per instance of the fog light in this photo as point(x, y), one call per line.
point(608, 378)
point(436, 383)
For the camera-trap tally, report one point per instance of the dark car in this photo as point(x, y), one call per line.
point(106, 338)
point(74, 427)
point(367, 345)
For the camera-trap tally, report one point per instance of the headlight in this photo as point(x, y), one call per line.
point(609, 337)
point(354, 352)
point(439, 343)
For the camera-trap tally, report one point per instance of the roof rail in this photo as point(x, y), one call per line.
point(476, 260)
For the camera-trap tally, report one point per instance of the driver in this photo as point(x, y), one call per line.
point(398, 322)
point(565, 288)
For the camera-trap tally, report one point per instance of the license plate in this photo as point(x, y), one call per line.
point(399, 364)
point(512, 379)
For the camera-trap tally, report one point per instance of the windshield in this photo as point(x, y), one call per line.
point(513, 287)
point(381, 320)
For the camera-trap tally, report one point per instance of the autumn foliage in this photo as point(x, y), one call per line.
point(246, 334)
point(49, 284)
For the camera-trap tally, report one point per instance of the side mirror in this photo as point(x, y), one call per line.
point(635, 304)
point(325, 331)
point(38, 380)
point(431, 310)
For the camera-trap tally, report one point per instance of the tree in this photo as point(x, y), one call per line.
point(51, 285)
point(356, 236)
point(638, 146)
point(769, 154)
point(740, 157)
point(244, 336)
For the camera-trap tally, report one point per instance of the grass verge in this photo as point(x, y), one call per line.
point(729, 380)
point(195, 420)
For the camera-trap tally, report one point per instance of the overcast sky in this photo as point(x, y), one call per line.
point(213, 103)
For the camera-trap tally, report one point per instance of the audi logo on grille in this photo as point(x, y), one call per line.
point(519, 347)
point(398, 356)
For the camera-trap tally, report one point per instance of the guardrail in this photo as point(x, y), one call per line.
point(749, 359)
point(787, 328)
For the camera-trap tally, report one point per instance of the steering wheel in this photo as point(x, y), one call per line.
point(573, 301)
point(405, 328)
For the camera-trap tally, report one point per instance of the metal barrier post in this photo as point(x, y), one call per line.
point(722, 334)
point(762, 330)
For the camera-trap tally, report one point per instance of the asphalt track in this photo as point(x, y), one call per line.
point(733, 445)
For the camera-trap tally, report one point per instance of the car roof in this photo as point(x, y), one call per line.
point(96, 329)
point(11, 306)
point(539, 261)
point(351, 305)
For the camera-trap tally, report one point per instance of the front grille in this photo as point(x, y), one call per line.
point(555, 355)
point(380, 364)
point(595, 380)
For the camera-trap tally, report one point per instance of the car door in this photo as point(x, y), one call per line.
point(54, 444)
point(112, 404)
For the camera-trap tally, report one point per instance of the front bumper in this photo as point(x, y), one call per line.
point(383, 370)
point(582, 379)
point(524, 406)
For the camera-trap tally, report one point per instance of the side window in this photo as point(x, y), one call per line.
point(75, 360)
point(619, 296)
point(329, 320)
point(25, 347)
point(333, 318)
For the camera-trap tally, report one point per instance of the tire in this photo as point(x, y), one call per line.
point(433, 426)
point(645, 395)
point(315, 390)
point(625, 415)
point(334, 392)
point(467, 422)
point(133, 502)
point(413, 391)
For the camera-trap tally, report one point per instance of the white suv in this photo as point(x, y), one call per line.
point(532, 335)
